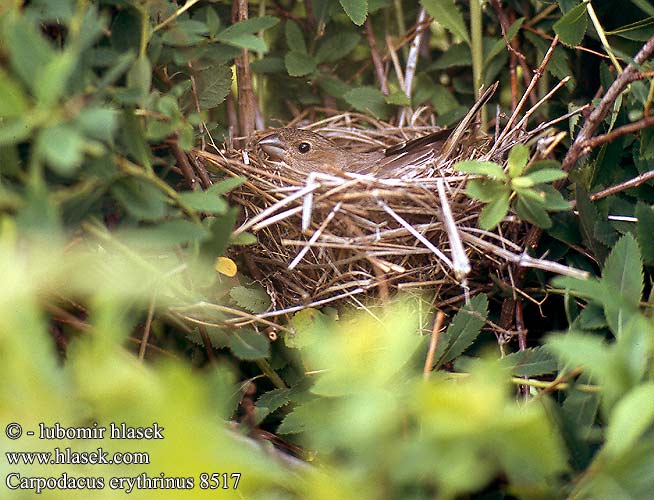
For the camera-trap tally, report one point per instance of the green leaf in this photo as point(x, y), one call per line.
point(398, 98)
point(185, 33)
point(15, 131)
point(98, 122)
point(226, 185)
point(140, 199)
point(249, 345)
point(299, 63)
point(241, 33)
point(645, 230)
point(337, 47)
point(518, 158)
point(554, 200)
point(269, 402)
point(632, 417)
point(29, 52)
point(571, 28)
point(479, 167)
point(500, 44)
point(645, 6)
point(255, 300)
point(530, 362)
point(295, 38)
point(166, 234)
point(63, 148)
point(532, 211)
point(14, 101)
point(221, 228)
point(367, 100)
point(623, 278)
point(539, 177)
point(456, 55)
point(463, 330)
point(139, 77)
point(356, 10)
point(448, 15)
point(133, 138)
point(214, 85)
point(590, 289)
point(204, 201)
point(493, 213)
point(486, 190)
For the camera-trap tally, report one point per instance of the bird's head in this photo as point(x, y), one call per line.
point(303, 150)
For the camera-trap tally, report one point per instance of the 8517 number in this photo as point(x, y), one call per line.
point(216, 480)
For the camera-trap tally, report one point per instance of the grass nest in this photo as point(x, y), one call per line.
point(336, 237)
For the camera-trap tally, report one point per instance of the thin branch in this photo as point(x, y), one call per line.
point(623, 186)
point(630, 128)
point(596, 117)
point(435, 334)
point(376, 60)
point(537, 74)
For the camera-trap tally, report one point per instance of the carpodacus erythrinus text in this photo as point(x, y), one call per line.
point(306, 151)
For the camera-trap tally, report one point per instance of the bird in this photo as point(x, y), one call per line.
point(306, 151)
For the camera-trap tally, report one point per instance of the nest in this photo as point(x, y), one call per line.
point(331, 237)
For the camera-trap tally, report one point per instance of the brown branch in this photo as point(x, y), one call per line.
point(246, 102)
point(623, 186)
point(185, 166)
point(630, 128)
point(376, 60)
point(596, 117)
point(435, 334)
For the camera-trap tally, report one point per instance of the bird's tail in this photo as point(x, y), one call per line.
point(464, 125)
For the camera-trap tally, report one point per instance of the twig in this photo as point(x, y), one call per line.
point(412, 59)
point(593, 142)
point(376, 60)
point(246, 101)
point(435, 334)
point(146, 329)
point(185, 166)
point(623, 186)
point(537, 74)
point(596, 117)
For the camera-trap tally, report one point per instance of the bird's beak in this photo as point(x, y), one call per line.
point(273, 146)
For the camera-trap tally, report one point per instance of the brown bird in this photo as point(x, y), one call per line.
point(306, 151)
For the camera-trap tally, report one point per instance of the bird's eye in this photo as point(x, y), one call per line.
point(304, 147)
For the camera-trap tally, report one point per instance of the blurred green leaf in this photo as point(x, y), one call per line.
point(398, 98)
point(185, 33)
point(140, 199)
point(337, 47)
point(249, 345)
point(447, 14)
point(204, 201)
point(356, 10)
point(63, 148)
point(367, 100)
point(98, 122)
point(14, 102)
point(242, 35)
point(571, 28)
point(253, 299)
point(632, 417)
point(295, 38)
point(299, 63)
point(486, 190)
point(165, 234)
point(139, 77)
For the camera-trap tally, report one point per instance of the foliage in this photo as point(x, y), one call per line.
point(111, 253)
point(525, 185)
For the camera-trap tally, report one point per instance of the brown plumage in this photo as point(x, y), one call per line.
point(306, 151)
